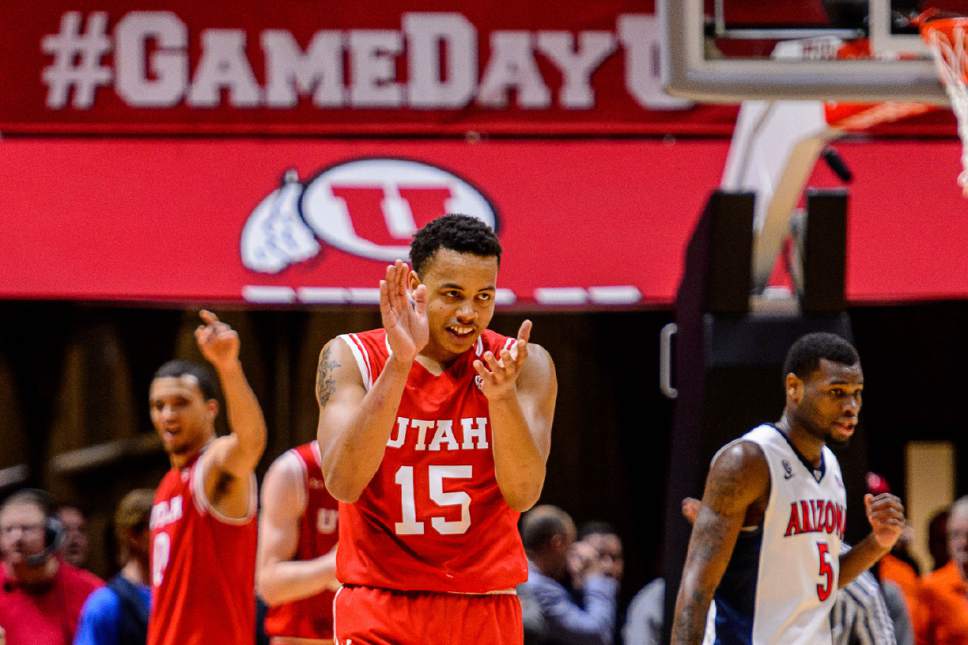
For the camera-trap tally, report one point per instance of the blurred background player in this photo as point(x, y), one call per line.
point(117, 614)
point(555, 562)
point(203, 529)
point(781, 486)
point(296, 566)
point(40, 595)
point(434, 433)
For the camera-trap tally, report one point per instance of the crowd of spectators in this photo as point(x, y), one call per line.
point(571, 596)
point(118, 612)
point(574, 575)
point(941, 614)
point(41, 594)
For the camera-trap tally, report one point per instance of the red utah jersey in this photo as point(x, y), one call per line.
point(432, 518)
point(309, 617)
point(202, 566)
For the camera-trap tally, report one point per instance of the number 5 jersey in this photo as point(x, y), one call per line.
point(432, 518)
point(781, 581)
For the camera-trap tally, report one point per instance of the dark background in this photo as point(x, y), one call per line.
point(74, 376)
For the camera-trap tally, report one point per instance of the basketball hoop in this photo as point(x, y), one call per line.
point(948, 39)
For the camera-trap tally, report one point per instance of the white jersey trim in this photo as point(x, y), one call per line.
point(317, 454)
point(362, 358)
point(335, 596)
point(494, 592)
point(292, 466)
point(205, 507)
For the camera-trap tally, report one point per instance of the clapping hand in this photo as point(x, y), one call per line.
point(499, 374)
point(404, 314)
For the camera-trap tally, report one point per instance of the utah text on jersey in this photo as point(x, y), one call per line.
point(473, 432)
point(166, 512)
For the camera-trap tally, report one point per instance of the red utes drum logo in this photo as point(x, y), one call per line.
point(367, 207)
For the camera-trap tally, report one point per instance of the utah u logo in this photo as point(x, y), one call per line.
point(366, 207)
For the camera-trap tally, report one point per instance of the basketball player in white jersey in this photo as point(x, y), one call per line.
point(767, 538)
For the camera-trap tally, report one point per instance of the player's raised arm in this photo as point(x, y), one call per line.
point(280, 578)
point(237, 454)
point(738, 477)
point(886, 515)
point(521, 388)
point(355, 424)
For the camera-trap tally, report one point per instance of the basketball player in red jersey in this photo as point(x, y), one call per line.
point(203, 530)
point(434, 433)
point(296, 567)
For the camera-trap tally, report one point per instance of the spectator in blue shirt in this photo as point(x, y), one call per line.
point(551, 615)
point(117, 614)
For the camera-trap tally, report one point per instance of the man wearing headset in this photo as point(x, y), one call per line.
point(40, 594)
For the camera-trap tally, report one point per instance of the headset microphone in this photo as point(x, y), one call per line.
point(54, 534)
point(53, 540)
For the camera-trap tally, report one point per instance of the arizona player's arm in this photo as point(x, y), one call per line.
point(886, 515)
point(737, 478)
point(355, 423)
point(229, 461)
point(521, 388)
point(279, 578)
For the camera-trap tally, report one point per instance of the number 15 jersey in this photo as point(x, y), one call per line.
point(432, 518)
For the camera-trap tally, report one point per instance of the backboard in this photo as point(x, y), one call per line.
point(732, 50)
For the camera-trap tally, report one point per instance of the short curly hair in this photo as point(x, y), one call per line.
point(460, 233)
point(805, 354)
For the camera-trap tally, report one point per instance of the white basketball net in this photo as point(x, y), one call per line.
point(951, 61)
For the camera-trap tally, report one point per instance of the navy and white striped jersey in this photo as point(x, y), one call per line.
point(860, 615)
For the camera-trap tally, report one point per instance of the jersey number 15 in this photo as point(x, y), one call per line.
point(410, 525)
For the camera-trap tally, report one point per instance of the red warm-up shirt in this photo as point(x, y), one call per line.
point(47, 616)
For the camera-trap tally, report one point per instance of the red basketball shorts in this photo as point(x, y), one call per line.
point(373, 616)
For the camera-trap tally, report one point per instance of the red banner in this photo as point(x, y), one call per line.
point(294, 221)
point(403, 66)
point(289, 221)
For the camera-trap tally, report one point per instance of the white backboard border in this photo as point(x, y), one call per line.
point(687, 73)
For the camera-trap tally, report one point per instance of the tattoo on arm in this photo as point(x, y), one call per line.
point(325, 381)
point(731, 488)
point(690, 624)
